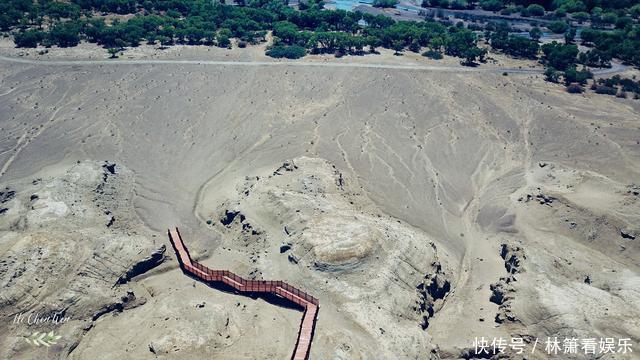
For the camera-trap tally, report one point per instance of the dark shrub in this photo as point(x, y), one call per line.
point(558, 27)
point(559, 56)
point(432, 54)
point(385, 3)
point(551, 74)
point(606, 90)
point(535, 10)
point(65, 34)
point(574, 88)
point(224, 41)
point(29, 38)
point(289, 52)
point(491, 5)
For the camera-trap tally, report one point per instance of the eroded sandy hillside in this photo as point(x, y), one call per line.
point(70, 244)
point(422, 208)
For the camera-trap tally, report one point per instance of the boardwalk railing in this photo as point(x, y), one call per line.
point(280, 288)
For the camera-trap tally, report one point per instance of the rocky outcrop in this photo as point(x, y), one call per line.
point(144, 265)
point(628, 234)
point(511, 256)
point(308, 222)
point(432, 293)
point(503, 291)
point(58, 252)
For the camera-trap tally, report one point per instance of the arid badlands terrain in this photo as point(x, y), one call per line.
point(423, 207)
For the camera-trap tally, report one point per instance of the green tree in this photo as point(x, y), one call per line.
point(595, 58)
point(289, 52)
point(569, 6)
point(570, 36)
point(559, 56)
point(516, 46)
point(491, 5)
point(57, 10)
point(588, 36)
point(165, 41)
point(65, 34)
point(535, 33)
point(560, 12)
point(635, 11)
point(572, 75)
point(29, 38)
point(223, 38)
point(194, 35)
point(372, 42)
point(385, 3)
point(558, 27)
point(459, 41)
point(471, 55)
point(551, 74)
point(535, 10)
point(398, 46)
point(581, 16)
point(286, 31)
point(223, 41)
point(623, 22)
point(113, 52)
point(459, 4)
point(609, 17)
point(432, 54)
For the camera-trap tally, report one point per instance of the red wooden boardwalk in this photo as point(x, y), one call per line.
point(279, 288)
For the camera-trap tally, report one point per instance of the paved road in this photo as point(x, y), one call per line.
point(615, 68)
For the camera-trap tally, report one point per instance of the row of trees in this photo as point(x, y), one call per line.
point(152, 29)
point(513, 45)
point(623, 44)
point(560, 59)
point(398, 36)
point(600, 14)
point(310, 30)
point(202, 22)
point(617, 84)
point(538, 7)
point(563, 61)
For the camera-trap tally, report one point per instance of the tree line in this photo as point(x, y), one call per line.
point(311, 29)
point(603, 11)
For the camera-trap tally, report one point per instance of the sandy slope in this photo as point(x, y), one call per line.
point(486, 168)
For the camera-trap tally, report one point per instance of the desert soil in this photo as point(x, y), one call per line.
point(423, 208)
